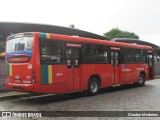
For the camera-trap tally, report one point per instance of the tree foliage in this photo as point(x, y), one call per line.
point(72, 26)
point(117, 33)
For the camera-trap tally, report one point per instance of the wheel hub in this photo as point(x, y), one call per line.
point(94, 87)
point(140, 80)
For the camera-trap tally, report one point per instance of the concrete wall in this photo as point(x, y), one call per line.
point(2, 82)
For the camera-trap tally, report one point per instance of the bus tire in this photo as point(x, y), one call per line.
point(93, 86)
point(141, 81)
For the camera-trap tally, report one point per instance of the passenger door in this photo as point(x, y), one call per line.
point(73, 52)
point(115, 64)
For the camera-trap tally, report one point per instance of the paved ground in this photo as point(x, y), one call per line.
point(145, 98)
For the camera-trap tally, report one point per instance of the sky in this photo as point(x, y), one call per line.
point(97, 16)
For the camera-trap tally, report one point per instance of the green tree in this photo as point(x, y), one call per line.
point(117, 33)
point(72, 26)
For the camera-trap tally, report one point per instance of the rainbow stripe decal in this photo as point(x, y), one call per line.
point(44, 35)
point(46, 74)
point(8, 69)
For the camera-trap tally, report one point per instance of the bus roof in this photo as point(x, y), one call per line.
point(96, 41)
point(84, 40)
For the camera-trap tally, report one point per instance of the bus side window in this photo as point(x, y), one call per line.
point(51, 51)
point(88, 55)
point(100, 53)
point(121, 58)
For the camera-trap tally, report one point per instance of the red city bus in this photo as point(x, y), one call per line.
point(53, 63)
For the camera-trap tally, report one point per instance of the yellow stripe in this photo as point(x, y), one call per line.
point(49, 73)
point(48, 35)
point(20, 35)
point(10, 72)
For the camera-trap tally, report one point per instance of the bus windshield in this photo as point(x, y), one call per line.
point(19, 48)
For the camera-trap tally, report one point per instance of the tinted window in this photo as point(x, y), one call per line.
point(95, 53)
point(88, 55)
point(100, 53)
point(128, 55)
point(131, 55)
point(140, 56)
point(51, 51)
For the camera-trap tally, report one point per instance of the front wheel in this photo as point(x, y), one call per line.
point(141, 81)
point(93, 86)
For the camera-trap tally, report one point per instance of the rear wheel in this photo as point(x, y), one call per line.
point(93, 86)
point(141, 81)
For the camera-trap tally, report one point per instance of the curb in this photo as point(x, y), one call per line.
point(14, 95)
point(156, 77)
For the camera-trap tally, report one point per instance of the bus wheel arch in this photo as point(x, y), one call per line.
point(94, 84)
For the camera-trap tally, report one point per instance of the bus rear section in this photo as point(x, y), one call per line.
point(20, 75)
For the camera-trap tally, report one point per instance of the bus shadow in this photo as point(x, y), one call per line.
point(70, 96)
point(44, 99)
point(125, 87)
point(119, 88)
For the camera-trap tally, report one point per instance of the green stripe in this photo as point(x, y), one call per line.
point(7, 68)
point(43, 74)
